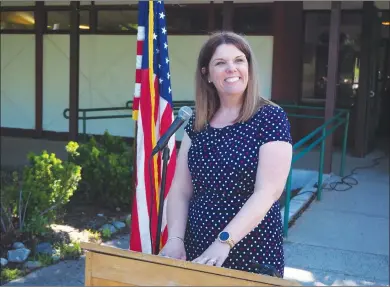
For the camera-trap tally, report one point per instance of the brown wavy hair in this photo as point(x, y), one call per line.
point(206, 96)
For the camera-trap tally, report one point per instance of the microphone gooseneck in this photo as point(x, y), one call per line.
point(183, 115)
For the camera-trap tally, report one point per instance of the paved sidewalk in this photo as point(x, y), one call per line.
point(341, 240)
point(344, 238)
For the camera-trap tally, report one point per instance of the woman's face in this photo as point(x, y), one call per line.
point(228, 70)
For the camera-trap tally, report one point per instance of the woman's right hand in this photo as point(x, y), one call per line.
point(174, 248)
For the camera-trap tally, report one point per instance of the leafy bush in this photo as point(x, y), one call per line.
point(107, 167)
point(46, 186)
point(8, 274)
point(70, 251)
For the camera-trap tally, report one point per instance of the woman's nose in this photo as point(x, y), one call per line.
point(231, 67)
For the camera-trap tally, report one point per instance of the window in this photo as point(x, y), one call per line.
point(17, 20)
point(58, 20)
point(253, 20)
point(117, 21)
point(218, 17)
point(187, 19)
point(84, 20)
point(315, 55)
point(385, 22)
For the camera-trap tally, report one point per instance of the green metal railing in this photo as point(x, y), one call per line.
point(341, 116)
point(84, 117)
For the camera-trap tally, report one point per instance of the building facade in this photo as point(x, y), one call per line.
point(67, 54)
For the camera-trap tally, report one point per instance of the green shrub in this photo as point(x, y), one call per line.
point(107, 168)
point(46, 186)
point(8, 274)
point(68, 251)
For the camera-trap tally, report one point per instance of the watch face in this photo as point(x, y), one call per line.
point(224, 236)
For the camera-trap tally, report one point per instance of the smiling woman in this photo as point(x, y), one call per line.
point(223, 207)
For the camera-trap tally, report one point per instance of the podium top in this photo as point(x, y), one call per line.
point(155, 261)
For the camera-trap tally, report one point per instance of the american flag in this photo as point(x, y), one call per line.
point(153, 111)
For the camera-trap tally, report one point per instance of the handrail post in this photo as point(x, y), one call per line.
point(85, 126)
point(344, 149)
point(321, 167)
point(287, 204)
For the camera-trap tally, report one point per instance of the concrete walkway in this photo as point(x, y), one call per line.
point(344, 238)
point(341, 240)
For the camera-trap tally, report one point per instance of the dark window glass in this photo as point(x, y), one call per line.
point(187, 19)
point(218, 18)
point(385, 22)
point(315, 56)
point(58, 20)
point(252, 20)
point(17, 20)
point(117, 20)
point(84, 20)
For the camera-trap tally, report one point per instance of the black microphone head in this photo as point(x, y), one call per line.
point(185, 113)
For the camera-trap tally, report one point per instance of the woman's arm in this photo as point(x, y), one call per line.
point(273, 169)
point(180, 193)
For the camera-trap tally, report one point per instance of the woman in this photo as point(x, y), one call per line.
point(232, 167)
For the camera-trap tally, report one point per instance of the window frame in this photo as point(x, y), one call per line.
point(209, 8)
point(268, 31)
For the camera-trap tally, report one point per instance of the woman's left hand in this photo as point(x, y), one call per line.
point(215, 255)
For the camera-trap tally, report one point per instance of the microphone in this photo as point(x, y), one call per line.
point(184, 114)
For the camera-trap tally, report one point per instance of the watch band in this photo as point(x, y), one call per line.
point(230, 242)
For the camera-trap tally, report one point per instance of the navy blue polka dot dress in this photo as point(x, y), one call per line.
point(223, 166)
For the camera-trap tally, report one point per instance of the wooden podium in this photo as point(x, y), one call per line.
point(108, 266)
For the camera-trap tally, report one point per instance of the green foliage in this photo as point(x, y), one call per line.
point(106, 170)
point(9, 200)
point(46, 185)
point(8, 274)
point(93, 235)
point(106, 233)
point(44, 258)
point(70, 251)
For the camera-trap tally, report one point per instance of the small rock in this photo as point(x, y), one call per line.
point(44, 248)
point(4, 262)
point(33, 265)
point(110, 227)
point(119, 224)
point(118, 209)
point(18, 245)
point(18, 255)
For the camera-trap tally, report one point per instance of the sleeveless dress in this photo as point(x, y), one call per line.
point(223, 165)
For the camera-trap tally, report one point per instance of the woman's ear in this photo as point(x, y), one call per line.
point(204, 74)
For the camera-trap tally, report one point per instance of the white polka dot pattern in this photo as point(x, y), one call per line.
point(223, 166)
